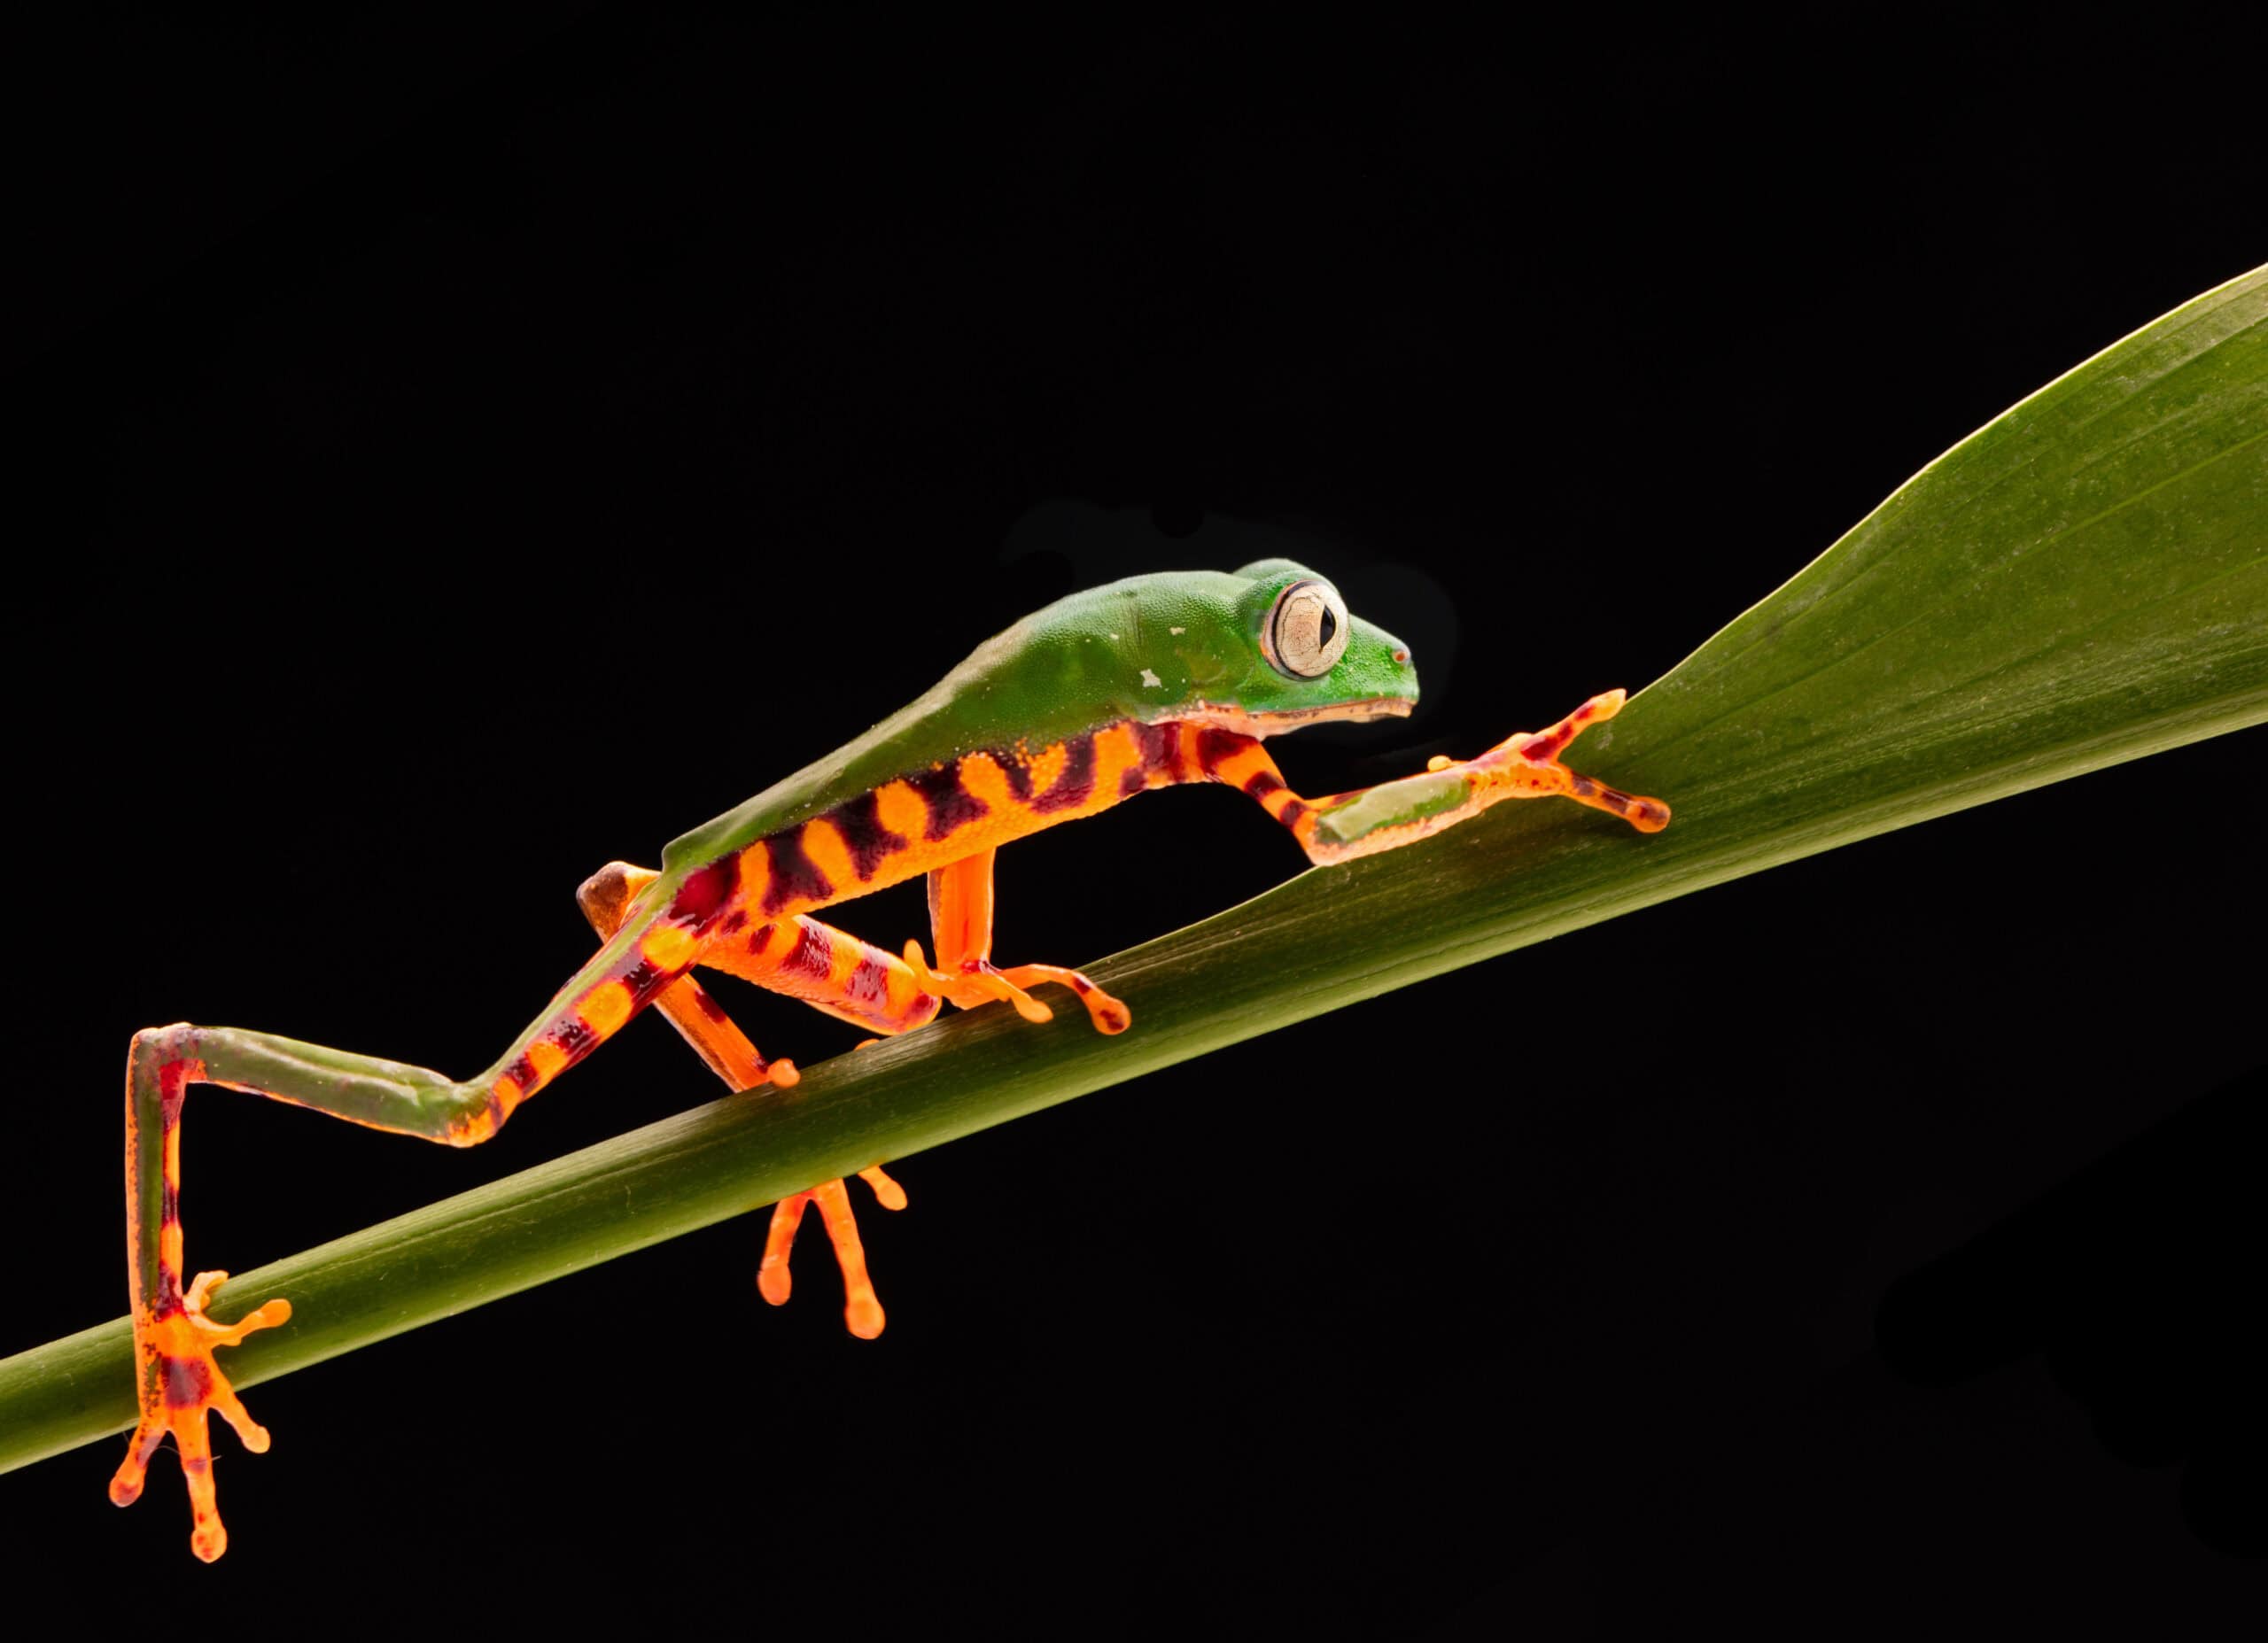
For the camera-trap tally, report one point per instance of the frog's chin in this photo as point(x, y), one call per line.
point(1244, 722)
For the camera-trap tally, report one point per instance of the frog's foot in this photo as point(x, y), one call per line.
point(179, 1384)
point(862, 1312)
point(1527, 766)
point(1107, 1012)
point(979, 980)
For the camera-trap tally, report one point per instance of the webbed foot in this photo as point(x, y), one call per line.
point(179, 1384)
point(980, 981)
point(1528, 763)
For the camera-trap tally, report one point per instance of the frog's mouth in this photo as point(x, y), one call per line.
point(1244, 722)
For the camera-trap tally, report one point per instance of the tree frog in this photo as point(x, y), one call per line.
point(1145, 683)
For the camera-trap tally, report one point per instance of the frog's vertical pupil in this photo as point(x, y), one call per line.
point(1330, 626)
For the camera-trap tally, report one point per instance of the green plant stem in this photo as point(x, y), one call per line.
point(2083, 581)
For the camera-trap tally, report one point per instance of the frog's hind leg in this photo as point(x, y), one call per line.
point(837, 973)
point(960, 921)
point(178, 1382)
point(796, 956)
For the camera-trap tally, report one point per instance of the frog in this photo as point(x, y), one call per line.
point(1151, 681)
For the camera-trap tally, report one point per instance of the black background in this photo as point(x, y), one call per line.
point(463, 454)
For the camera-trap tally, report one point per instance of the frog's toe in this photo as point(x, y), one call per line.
point(1107, 1012)
point(1534, 765)
point(179, 1384)
point(862, 1309)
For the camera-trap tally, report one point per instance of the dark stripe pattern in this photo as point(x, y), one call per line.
point(794, 876)
point(1159, 744)
point(1215, 745)
point(1076, 785)
point(813, 957)
point(644, 979)
point(952, 806)
point(575, 1038)
point(870, 843)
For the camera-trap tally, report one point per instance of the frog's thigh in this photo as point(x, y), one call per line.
point(828, 969)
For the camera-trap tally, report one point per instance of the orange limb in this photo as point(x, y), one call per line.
point(1527, 767)
point(605, 898)
point(830, 970)
point(960, 921)
point(1371, 819)
point(862, 1313)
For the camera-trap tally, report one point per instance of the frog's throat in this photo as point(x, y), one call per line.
point(1244, 722)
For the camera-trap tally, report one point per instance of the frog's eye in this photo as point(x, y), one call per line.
point(1307, 632)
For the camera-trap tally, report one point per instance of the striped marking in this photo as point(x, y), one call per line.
point(827, 851)
point(644, 979)
point(666, 950)
point(793, 875)
point(902, 810)
point(984, 777)
point(868, 983)
point(950, 806)
point(813, 957)
point(933, 817)
point(830, 969)
point(1016, 766)
point(865, 836)
point(1074, 782)
point(1158, 758)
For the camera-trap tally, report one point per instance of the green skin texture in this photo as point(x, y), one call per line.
point(1073, 667)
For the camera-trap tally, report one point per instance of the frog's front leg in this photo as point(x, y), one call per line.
point(960, 921)
point(1395, 813)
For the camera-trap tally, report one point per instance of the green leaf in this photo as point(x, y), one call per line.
point(2082, 581)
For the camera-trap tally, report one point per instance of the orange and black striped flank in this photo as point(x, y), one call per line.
point(952, 806)
point(870, 843)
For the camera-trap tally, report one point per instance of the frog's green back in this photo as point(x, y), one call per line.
point(1166, 646)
